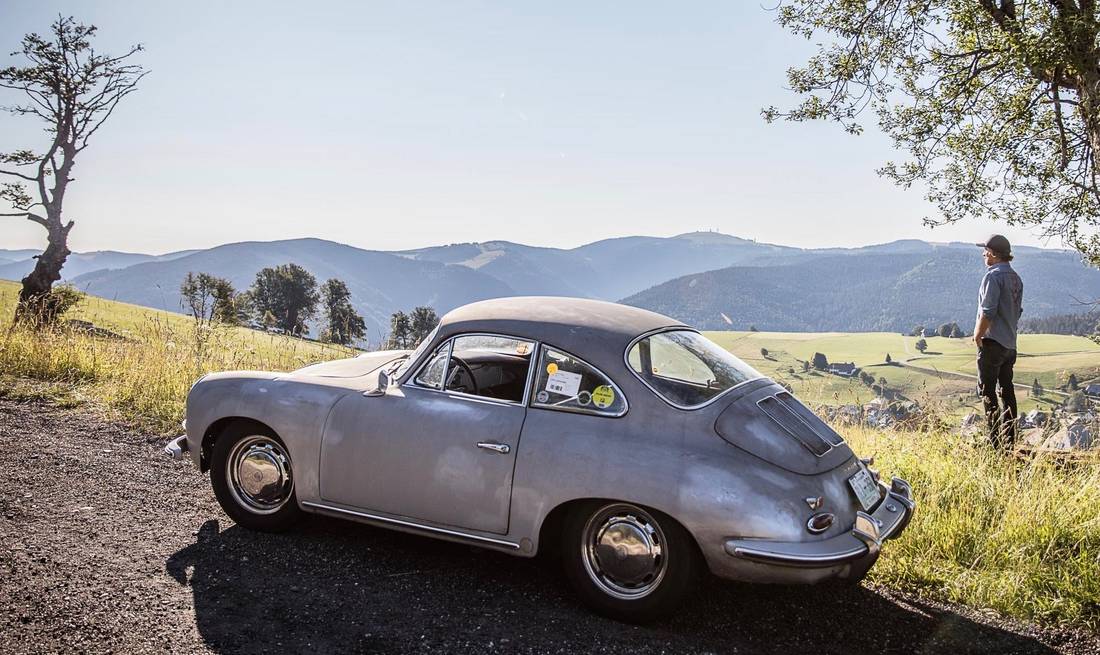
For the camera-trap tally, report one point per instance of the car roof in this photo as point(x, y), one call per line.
point(594, 330)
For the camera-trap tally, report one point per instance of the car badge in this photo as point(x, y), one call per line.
point(815, 502)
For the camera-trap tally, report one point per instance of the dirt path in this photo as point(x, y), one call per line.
point(105, 546)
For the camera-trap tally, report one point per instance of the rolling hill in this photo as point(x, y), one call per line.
point(607, 269)
point(380, 283)
point(869, 291)
point(712, 280)
point(15, 264)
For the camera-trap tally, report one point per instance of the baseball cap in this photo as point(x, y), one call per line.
point(998, 244)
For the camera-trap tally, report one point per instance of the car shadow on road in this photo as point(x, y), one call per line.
point(334, 586)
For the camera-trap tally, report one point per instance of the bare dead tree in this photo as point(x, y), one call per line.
point(73, 90)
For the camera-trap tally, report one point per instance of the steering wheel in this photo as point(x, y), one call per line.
point(458, 366)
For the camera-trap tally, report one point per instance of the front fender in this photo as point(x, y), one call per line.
point(293, 408)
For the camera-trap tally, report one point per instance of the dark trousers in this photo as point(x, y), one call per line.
point(995, 364)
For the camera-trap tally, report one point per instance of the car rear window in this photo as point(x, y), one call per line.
point(567, 383)
point(685, 368)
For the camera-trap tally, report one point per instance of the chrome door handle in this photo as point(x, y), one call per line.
point(501, 448)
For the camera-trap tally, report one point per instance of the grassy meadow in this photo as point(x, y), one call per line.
point(145, 374)
point(934, 378)
point(1020, 537)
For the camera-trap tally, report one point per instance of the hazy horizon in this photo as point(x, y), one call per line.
point(393, 127)
point(4, 246)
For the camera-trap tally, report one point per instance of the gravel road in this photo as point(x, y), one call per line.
point(106, 546)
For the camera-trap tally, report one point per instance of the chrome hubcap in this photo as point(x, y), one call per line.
point(258, 470)
point(624, 551)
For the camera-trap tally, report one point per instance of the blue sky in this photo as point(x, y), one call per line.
point(404, 124)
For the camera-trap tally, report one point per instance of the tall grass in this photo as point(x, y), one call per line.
point(145, 372)
point(1021, 537)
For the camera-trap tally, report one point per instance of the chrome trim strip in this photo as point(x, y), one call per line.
point(679, 328)
point(786, 558)
point(411, 524)
point(575, 410)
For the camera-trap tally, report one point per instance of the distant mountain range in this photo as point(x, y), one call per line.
point(707, 279)
point(872, 290)
point(15, 264)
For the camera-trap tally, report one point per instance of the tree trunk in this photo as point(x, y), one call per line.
point(34, 306)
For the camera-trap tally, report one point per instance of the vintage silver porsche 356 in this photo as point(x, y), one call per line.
point(631, 443)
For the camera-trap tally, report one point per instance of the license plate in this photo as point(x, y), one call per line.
point(865, 488)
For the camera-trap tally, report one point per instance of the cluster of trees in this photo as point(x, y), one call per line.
point(879, 385)
point(1081, 325)
point(1037, 389)
point(408, 330)
point(950, 330)
point(282, 298)
point(820, 361)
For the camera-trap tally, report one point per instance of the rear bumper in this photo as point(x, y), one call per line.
point(177, 448)
point(855, 550)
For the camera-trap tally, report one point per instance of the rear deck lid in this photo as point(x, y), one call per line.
point(773, 425)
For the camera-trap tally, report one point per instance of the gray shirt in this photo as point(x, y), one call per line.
point(1001, 298)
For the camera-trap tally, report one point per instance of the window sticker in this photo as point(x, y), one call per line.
point(551, 368)
point(542, 396)
point(564, 383)
point(603, 396)
point(584, 398)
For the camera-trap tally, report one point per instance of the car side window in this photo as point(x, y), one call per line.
point(431, 374)
point(490, 366)
point(567, 383)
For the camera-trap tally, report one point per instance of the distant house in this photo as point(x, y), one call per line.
point(1093, 390)
point(847, 369)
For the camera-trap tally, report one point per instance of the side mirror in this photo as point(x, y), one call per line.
point(383, 384)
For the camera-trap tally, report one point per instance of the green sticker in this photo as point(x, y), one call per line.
point(603, 396)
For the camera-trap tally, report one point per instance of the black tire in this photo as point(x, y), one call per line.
point(655, 585)
point(242, 437)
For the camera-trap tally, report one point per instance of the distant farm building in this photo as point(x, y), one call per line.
point(847, 369)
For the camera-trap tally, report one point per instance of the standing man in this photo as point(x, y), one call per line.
point(1000, 303)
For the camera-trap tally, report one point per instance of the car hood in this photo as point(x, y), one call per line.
point(354, 367)
point(773, 425)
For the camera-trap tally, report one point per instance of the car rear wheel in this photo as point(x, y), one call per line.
point(251, 473)
point(627, 562)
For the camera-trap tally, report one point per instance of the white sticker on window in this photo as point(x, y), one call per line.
point(564, 383)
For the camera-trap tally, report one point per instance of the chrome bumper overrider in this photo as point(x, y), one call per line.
point(861, 544)
point(177, 448)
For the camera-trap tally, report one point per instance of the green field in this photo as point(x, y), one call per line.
point(932, 378)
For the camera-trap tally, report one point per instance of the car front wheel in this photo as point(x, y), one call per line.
point(252, 477)
point(627, 562)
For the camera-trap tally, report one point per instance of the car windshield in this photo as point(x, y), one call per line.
point(686, 368)
point(415, 354)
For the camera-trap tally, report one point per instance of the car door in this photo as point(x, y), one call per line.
point(428, 450)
